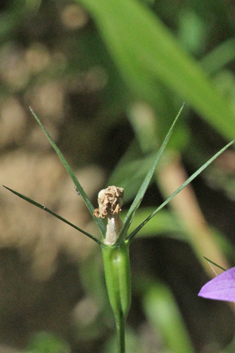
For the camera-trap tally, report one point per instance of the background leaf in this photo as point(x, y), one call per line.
point(145, 52)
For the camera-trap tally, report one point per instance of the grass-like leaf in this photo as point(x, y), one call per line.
point(122, 235)
point(213, 263)
point(148, 177)
point(89, 205)
point(193, 176)
point(52, 213)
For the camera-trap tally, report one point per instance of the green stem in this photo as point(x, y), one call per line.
point(120, 326)
point(118, 281)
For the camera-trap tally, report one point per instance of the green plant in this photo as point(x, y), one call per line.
point(115, 240)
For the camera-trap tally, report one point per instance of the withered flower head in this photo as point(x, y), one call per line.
point(110, 201)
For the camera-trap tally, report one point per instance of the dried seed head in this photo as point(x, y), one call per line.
point(110, 201)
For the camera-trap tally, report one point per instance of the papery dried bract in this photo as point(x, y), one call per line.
point(221, 287)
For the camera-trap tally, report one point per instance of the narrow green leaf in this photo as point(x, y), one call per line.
point(73, 177)
point(188, 181)
point(149, 175)
point(122, 235)
point(213, 263)
point(164, 223)
point(130, 172)
point(53, 213)
point(219, 57)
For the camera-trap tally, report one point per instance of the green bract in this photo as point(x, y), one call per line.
point(118, 281)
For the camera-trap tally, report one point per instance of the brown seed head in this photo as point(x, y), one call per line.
point(110, 201)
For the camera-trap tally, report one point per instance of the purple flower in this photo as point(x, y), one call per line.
point(221, 287)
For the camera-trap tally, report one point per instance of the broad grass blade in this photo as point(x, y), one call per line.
point(145, 52)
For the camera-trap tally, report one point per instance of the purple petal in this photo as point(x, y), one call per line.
point(221, 287)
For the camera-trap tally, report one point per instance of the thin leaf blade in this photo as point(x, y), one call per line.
point(213, 263)
point(52, 213)
point(72, 176)
point(145, 184)
point(188, 181)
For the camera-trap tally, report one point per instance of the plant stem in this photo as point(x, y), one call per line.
point(120, 326)
point(118, 281)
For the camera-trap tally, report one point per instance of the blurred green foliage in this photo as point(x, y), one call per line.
point(47, 343)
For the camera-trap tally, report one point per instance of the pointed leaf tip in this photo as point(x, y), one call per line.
point(221, 287)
